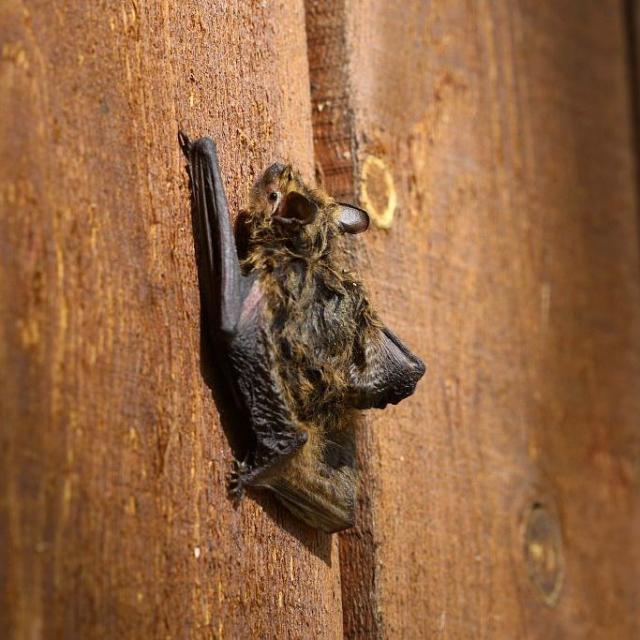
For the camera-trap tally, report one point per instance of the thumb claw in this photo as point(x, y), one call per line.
point(184, 142)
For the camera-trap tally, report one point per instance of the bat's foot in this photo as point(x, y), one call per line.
point(238, 480)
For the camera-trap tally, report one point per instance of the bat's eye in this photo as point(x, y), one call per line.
point(273, 196)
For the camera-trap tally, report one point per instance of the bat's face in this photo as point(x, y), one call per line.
point(281, 201)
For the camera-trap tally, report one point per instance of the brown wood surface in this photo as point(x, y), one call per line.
point(499, 502)
point(335, 147)
point(113, 515)
point(511, 266)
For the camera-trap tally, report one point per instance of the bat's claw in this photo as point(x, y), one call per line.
point(236, 492)
point(238, 480)
point(184, 142)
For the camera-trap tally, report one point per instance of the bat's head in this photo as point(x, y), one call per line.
point(285, 209)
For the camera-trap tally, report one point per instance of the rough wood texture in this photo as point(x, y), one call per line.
point(506, 496)
point(334, 147)
point(113, 515)
point(502, 500)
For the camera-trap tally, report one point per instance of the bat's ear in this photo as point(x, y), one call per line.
point(296, 206)
point(352, 219)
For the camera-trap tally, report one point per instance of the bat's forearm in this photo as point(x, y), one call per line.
point(221, 270)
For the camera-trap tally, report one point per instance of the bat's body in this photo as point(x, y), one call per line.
point(302, 346)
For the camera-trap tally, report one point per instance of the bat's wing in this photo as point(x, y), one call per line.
point(327, 504)
point(321, 493)
point(324, 494)
point(386, 372)
point(234, 316)
point(259, 391)
point(223, 287)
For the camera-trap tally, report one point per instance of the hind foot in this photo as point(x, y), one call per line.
point(238, 480)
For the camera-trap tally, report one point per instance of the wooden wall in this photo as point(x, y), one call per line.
point(493, 143)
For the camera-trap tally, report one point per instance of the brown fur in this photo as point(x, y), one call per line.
point(302, 342)
point(319, 320)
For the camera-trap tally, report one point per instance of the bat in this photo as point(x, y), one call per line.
point(301, 347)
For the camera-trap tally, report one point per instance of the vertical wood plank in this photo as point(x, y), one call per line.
point(505, 493)
point(113, 516)
point(334, 146)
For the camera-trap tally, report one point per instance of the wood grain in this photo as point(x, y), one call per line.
point(505, 493)
point(334, 146)
point(114, 521)
point(502, 501)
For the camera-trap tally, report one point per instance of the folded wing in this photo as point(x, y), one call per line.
point(386, 373)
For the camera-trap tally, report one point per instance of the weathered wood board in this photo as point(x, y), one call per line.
point(113, 516)
point(504, 495)
point(494, 145)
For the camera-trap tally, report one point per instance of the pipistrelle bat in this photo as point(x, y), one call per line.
point(301, 347)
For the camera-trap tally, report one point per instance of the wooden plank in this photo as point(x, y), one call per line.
point(505, 493)
point(113, 516)
point(334, 147)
